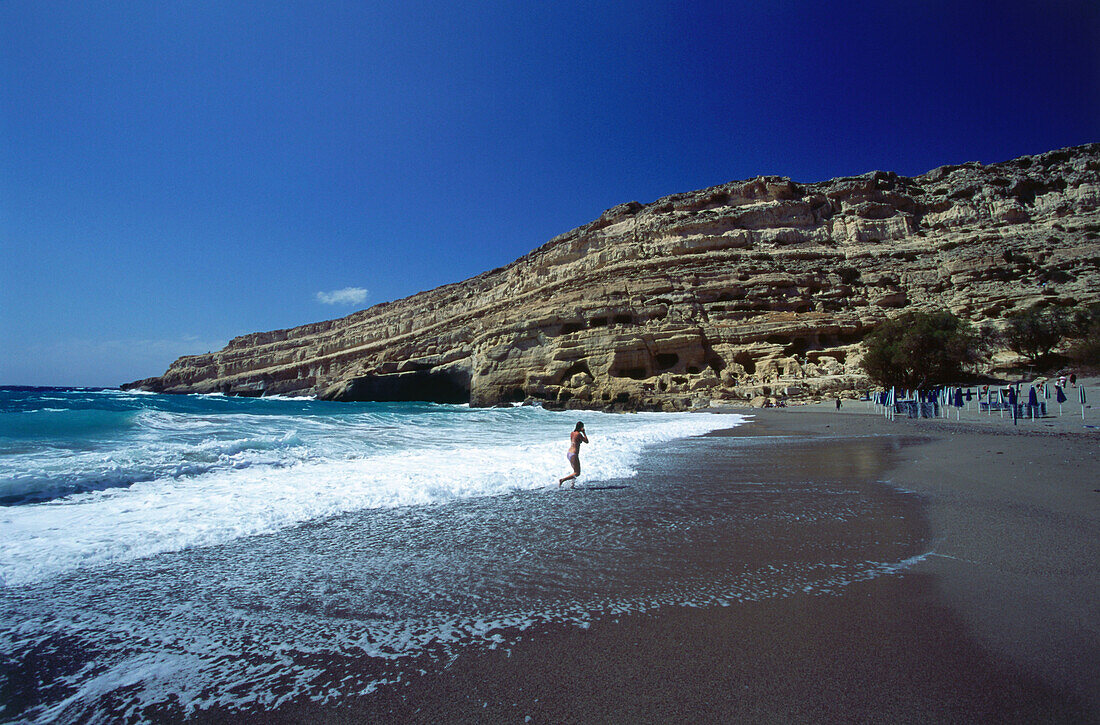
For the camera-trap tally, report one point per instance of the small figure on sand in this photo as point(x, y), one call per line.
point(838, 403)
point(574, 455)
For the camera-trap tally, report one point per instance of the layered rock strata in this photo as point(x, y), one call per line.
point(757, 287)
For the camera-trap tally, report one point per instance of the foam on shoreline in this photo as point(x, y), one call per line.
point(351, 603)
point(94, 486)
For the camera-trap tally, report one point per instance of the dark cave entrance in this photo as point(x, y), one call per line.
point(429, 386)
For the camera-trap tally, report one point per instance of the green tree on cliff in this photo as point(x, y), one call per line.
point(1034, 333)
point(917, 349)
point(1085, 324)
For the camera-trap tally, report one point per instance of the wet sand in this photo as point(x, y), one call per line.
point(997, 622)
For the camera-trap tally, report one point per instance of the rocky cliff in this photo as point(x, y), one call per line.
point(753, 287)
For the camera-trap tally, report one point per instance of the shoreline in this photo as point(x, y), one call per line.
point(1014, 513)
point(993, 623)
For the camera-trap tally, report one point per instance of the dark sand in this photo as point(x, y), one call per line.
point(1000, 623)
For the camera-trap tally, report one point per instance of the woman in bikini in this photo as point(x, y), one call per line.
point(574, 455)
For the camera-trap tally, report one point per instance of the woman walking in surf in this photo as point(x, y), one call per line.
point(574, 455)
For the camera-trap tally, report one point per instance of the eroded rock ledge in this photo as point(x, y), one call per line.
point(751, 288)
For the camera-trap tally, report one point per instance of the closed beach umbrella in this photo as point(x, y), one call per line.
point(969, 396)
point(1059, 395)
point(1032, 397)
point(958, 397)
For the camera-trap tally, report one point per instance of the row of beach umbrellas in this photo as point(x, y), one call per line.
point(944, 398)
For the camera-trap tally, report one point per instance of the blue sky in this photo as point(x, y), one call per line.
point(174, 174)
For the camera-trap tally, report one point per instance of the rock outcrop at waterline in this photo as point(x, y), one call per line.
point(750, 288)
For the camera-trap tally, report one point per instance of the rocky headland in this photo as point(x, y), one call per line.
point(751, 289)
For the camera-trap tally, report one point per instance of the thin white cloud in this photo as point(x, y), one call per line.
point(346, 296)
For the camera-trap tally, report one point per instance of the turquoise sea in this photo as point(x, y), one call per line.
point(165, 555)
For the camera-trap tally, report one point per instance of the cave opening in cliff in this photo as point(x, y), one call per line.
point(799, 345)
point(744, 359)
point(848, 275)
point(578, 368)
point(571, 327)
point(429, 386)
point(849, 338)
point(666, 360)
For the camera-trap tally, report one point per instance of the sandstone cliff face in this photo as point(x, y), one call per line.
point(754, 287)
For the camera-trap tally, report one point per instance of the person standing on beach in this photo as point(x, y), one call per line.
point(838, 403)
point(574, 455)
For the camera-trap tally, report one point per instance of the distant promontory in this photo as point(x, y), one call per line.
point(757, 287)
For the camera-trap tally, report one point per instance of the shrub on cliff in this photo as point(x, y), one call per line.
point(917, 349)
point(1082, 320)
point(1035, 333)
point(1085, 350)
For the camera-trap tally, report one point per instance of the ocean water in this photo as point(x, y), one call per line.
point(163, 556)
point(99, 477)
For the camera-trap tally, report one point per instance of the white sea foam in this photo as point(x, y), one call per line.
point(294, 398)
point(234, 661)
point(174, 486)
point(375, 585)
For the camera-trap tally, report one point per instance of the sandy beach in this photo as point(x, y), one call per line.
point(995, 621)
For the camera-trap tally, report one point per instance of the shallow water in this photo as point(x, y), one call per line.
point(96, 478)
point(337, 605)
